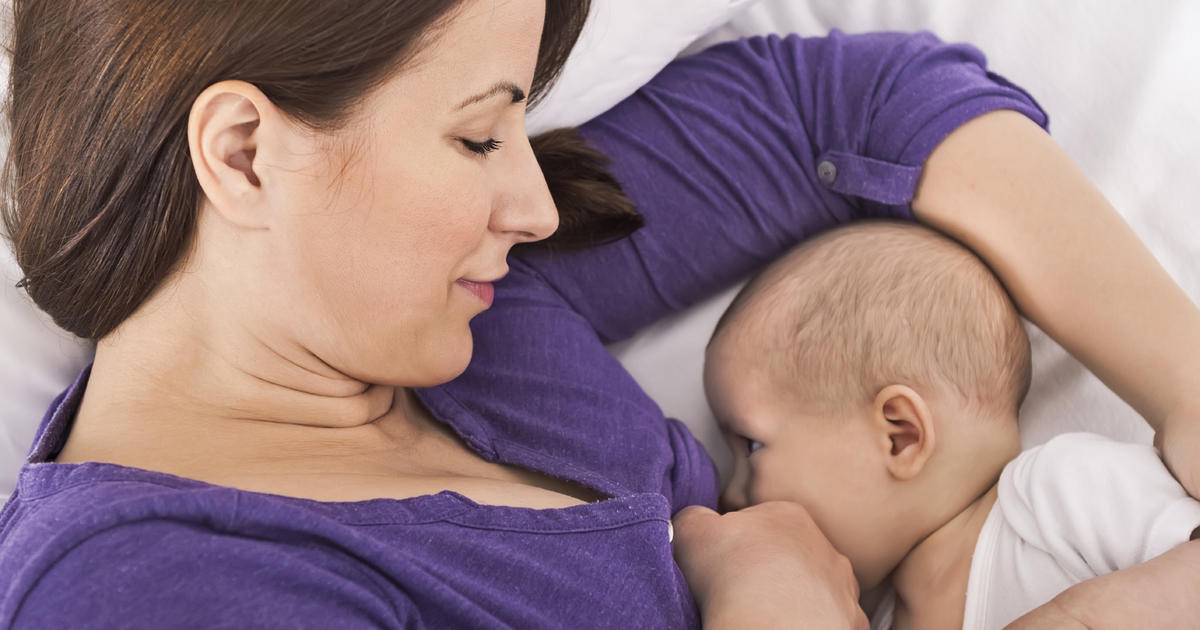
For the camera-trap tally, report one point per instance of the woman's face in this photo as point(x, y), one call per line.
point(392, 236)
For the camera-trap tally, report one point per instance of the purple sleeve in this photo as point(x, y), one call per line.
point(739, 152)
point(161, 574)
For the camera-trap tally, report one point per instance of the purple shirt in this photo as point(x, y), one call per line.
point(733, 156)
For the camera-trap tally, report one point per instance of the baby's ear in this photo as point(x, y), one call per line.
point(906, 423)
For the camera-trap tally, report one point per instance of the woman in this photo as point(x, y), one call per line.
point(279, 235)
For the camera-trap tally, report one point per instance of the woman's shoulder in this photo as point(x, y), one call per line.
point(61, 509)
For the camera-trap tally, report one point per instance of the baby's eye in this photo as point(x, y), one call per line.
point(753, 445)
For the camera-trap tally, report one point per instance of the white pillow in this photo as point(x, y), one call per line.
point(38, 361)
point(1120, 84)
point(623, 45)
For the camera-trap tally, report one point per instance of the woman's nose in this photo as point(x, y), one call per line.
point(525, 208)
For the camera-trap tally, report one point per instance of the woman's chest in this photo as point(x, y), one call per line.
point(602, 565)
point(485, 483)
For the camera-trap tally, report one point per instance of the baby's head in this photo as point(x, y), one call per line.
point(873, 375)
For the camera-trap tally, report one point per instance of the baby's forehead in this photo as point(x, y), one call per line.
point(759, 319)
point(740, 347)
point(741, 365)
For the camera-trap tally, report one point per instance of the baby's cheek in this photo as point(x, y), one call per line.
point(759, 489)
point(765, 486)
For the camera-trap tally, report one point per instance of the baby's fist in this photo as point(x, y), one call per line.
point(767, 566)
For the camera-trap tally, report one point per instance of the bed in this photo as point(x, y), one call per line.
point(1117, 77)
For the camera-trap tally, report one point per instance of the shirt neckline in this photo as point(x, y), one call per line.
point(975, 611)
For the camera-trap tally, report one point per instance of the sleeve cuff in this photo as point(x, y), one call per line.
point(1174, 527)
point(891, 186)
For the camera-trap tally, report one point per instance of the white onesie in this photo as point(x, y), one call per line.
point(1076, 507)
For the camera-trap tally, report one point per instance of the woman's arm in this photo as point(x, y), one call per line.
point(1004, 188)
point(739, 152)
point(1000, 185)
point(1158, 594)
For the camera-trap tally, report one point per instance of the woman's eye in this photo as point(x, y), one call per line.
point(753, 445)
point(482, 148)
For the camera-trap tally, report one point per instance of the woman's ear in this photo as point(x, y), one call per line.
point(906, 423)
point(225, 137)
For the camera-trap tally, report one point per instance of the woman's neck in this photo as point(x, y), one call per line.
point(181, 388)
point(171, 390)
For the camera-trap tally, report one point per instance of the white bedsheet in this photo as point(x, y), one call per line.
point(1120, 82)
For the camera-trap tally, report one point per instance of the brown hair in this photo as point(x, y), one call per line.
point(592, 208)
point(100, 196)
point(880, 302)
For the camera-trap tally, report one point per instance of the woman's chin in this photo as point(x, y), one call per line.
point(443, 365)
point(450, 372)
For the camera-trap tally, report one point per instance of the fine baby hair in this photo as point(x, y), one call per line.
point(862, 306)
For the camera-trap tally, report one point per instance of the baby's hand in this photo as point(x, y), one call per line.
point(1178, 439)
point(767, 566)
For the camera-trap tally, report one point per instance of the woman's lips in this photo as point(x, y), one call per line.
point(482, 290)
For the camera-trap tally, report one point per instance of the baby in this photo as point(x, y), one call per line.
point(874, 376)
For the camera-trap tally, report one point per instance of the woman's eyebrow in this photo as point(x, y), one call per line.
point(501, 87)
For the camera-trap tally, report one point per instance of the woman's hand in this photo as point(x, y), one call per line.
point(767, 566)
